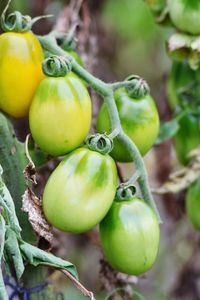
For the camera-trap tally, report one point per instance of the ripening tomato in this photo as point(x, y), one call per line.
point(130, 236)
point(185, 15)
point(187, 137)
point(80, 191)
point(139, 119)
point(60, 114)
point(20, 71)
point(193, 204)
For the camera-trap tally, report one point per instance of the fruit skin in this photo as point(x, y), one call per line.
point(80, 191)
point(20, 71)
point(60, 114)
point(130, 236)
point(187, 137)
point(193, 204)
point(139, 119)
point(185, 15)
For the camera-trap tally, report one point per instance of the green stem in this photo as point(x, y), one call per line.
point(107, 92)
point(116, 85)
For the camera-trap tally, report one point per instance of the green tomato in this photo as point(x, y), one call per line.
point(139, 119)
point(182, 78)
point(193, 204)
point(187, 137)
point(80, 191)
point(130, 236)
point(60, 114)
point(185, 15)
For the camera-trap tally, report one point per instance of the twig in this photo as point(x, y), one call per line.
point(183, 178)
point(78, 285)
point(69, 16)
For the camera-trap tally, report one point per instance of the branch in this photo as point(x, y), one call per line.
point(107, 92)
point(78, 285)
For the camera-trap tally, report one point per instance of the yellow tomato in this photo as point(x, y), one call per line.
point(20, 71)
point(60, 114)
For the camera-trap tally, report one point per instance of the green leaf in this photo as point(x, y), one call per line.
point(13, 162)
point(3, 292)
point(2, 236)
point(7, 202)
point(167, 130)
point(37, 257)
point(13, 251)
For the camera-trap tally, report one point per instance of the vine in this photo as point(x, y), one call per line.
point(106, 90)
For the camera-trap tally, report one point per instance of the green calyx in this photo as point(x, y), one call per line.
point(56, 66)
point(137, 87)
point(100, 143)
point(125, 192)
point(16, 22)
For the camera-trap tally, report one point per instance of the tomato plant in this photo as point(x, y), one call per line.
point(60, 114)
point(130, 235)
point(139, 119)
point(80, 191)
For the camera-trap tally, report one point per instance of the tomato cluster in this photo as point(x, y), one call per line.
point(80, 192)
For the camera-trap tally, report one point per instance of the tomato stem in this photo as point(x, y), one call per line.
point(106, 90)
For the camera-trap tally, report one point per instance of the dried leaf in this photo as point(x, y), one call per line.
point(182, 179)
point(32, 205)
point(29, 171)
point(182, 46)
